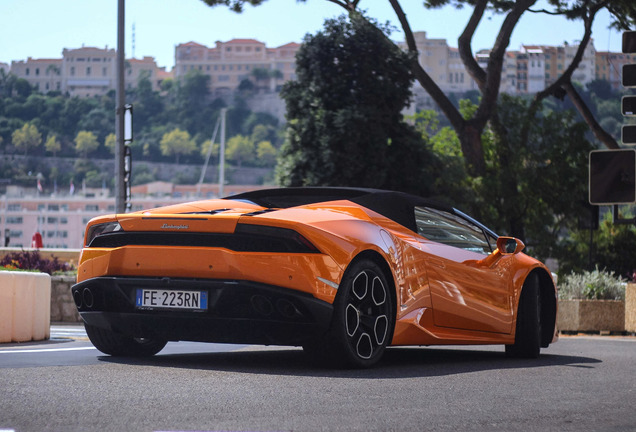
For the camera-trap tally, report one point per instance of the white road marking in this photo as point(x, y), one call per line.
point(41, 350)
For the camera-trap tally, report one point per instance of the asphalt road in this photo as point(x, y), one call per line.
point(578, 384)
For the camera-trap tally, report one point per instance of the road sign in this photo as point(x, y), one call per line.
point(629, 70)
point(628, 103)
point(612, 177)
point(629, 75)
point(628, 106)
point(629, 42)
point(628, 134)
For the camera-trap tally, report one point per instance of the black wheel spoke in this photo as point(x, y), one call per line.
point(366, 314)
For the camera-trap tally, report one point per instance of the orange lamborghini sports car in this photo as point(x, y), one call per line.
point(342, 272)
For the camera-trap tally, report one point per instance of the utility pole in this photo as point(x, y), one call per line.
point(120, 193)
point(222, 155)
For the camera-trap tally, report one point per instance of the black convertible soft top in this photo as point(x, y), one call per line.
point(397, 206)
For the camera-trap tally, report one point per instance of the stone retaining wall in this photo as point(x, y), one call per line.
point(63, 307)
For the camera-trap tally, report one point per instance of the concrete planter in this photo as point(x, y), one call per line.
point(630, 308)
point(25, 306)
point(591, 315)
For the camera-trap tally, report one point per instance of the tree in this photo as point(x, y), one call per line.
point(7, 83)
point(85, 143)
point(612, 249)
point(193, 110)
point(266, 153)
point(27, 137)
point(623, 13)
point(111, 142)
point(52, 144)
point(344, 112)
point(469, 130)
point(235, 5)
point(533, 186)
point(240, 149)
point(177, 143)
point(260, 75)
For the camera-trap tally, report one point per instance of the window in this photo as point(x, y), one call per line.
point(92, 207)
point(72, 70)
point(446, 228)
point(14, 219)
point(54, 207)
point(14, 207)
point(88, 71)
point(51, 220)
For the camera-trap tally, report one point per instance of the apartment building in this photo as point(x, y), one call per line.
point(442, 63)
point(609, 67)
point(61, 220)
point(229, 63)
point(535, 67)
point(85, 71)
point(586, 72)
point(532, 60)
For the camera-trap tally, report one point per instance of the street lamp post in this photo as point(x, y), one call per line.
point(120, 192)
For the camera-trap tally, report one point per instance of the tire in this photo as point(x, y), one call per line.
point(528, 331)
point(362, 323)
point(118, 345)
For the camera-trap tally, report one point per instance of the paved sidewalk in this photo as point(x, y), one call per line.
point(73, 331)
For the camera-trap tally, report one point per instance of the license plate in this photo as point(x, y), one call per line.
point(171, 299)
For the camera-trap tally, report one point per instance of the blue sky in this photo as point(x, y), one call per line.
point(42, 28)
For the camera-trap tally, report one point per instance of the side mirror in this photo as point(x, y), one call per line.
point(509, 245)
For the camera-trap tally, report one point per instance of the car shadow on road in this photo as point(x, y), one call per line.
point(396, 363)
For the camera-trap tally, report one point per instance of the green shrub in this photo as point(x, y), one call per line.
point(594, 285)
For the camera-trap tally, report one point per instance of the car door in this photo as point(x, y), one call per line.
point(467, 291)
